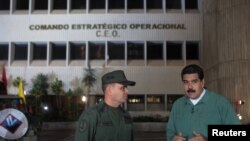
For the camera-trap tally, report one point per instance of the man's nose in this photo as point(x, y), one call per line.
point(190, 85)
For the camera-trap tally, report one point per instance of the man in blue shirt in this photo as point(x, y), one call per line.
point(191, 114)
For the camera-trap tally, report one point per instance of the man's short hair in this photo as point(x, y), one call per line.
point(193, 68)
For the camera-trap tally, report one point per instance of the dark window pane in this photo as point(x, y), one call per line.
point(191, 4)
point(174, 51)
point(135, 50)
point(97, 51)
point(59, 4)
point(116, 4)
point(136, 103)
point(41, 4)
point(58, 51)
point(39, 51)
point(22, 4)
point(136, 99)
point(135, 4)
point(116, 51)
point(192, 50)
point(78, 4)
point(97, 4)
point(21, 51)
point(154, 4)
point(155, 99)
point(173, 4)
point(154, 51)
point(77, 51)
point(5, 5)
point(4, 52)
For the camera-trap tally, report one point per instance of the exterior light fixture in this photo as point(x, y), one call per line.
point(45, 108)
point(240, 102)
point(239, 116)
point(84, 99)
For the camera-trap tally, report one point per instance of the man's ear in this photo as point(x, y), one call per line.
point(203, 83)
point(109, 90)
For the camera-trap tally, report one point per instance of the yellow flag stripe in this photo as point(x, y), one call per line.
point(20, 91)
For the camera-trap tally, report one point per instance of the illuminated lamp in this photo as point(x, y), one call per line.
point(240, 102)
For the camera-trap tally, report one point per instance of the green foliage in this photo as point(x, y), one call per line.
point(89, 78)
point(69, 92)
point(16, 81)
point(40, 85)
point(56, 86)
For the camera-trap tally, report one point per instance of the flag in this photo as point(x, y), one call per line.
point(20, 92)
point(4, 80)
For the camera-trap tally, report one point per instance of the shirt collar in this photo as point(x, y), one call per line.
point(195, 101)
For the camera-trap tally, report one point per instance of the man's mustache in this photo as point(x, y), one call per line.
point(190, 91)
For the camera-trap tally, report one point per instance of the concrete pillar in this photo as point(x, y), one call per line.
point(226, 50)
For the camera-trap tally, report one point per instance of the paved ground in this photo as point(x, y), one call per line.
point(68, 135)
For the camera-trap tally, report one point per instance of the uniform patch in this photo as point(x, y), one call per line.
point(83, 125)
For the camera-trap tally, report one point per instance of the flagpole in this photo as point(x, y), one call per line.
point(4, 80)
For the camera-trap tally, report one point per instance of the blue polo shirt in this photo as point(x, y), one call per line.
point(186, 118)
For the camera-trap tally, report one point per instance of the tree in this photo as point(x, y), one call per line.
point(40, 88)
point(89, 81)
point(16, 81)
point(56, 87)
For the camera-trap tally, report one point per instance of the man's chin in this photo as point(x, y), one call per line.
point(191, 95)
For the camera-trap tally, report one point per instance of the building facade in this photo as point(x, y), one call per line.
point(150, 40)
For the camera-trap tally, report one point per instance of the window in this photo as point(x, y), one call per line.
point(155, 99)
point(154, 4)
point(135, 4)
point(21, 51)
point(136, 103)
point(136, 99)
point(78, 4)
point(58, 51)
point(39, 51)
point(96, 51)
point(192, 51)
point(155, 102)
point(5, 5)
point(191, 4)
point(174, 51)
point(116, 4)
point(60, 4)
point(41, 4)
point(22, 4)
point(154, 51)
point(77, 51)
point(116, 51)
point(173, 4)
point(135, 50)
point(4, 51)
point(97, 4)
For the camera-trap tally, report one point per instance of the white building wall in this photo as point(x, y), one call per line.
point(21, 27)
point(150, 79)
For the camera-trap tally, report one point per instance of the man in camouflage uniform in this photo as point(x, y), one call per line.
point(108, 121)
